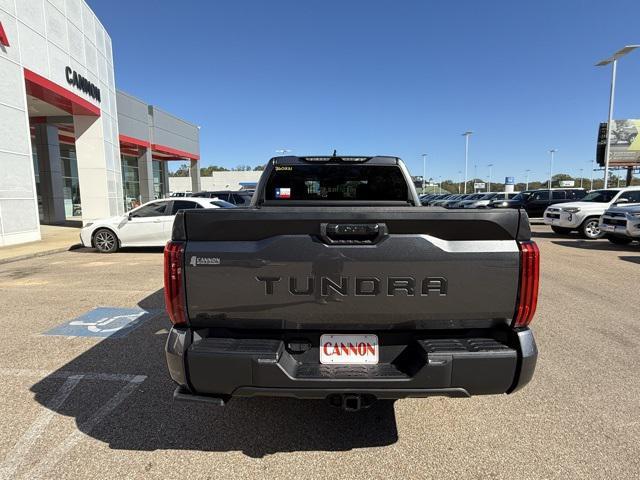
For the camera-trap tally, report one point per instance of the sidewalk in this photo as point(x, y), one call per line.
point(54, 239)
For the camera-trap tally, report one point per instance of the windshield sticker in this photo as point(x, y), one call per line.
point(283, 193)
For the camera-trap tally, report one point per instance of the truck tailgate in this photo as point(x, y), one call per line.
point(278, 268)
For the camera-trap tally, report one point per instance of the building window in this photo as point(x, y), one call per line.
point(158, 180)
point(130, 182)
point(70, 182)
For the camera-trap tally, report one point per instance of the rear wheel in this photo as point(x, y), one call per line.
point(561, 230)
point(619, 240)
point(590, 229)
point(105, 241)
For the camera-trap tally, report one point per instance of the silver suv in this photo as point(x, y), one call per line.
point(621, 224)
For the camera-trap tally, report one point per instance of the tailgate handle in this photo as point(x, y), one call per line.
point(352, 233)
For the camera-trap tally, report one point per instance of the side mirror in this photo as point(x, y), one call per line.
point(622, 200)
point(129, 216)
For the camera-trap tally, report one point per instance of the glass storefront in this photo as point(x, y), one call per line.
point(36, 170)
point(70, 182)
point(158, 180)
point(130, 182)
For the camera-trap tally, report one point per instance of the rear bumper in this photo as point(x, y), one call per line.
point(207, 364)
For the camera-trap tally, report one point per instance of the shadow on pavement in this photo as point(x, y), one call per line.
point(630, 259)
point(598, 245)
point(148, 419)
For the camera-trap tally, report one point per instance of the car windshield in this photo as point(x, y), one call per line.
point(489, 196)
point(521, 197)
point(600, 196)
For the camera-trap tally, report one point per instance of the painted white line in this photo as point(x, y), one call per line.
point(16, 456)
point(84, 428)
point(111, 377)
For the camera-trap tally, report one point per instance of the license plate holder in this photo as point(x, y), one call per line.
point(350, 349)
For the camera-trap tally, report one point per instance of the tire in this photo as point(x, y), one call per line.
point(590, 230)
point(619, 240)
point(561, 230)
point(105, 241)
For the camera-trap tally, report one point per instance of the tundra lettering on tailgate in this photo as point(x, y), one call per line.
point(358, 286)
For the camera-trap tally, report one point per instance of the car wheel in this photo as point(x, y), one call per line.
point(561, 230)
point(105, 241)
point(619, 240)
point(590, 229)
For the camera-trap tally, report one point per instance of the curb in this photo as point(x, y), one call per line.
point(44, 253)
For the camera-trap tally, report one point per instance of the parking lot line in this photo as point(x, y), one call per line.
point(24, 445)
point(26, 442)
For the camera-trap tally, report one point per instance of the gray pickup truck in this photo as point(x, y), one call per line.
point(336, 284)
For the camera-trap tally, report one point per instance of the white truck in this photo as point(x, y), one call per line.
point(584, 216)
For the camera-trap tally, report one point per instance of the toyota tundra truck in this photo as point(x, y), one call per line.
point(337, 284)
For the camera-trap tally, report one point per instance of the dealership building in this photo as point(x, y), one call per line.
point(73, 147)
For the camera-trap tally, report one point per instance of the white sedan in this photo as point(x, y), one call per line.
point(148, 225)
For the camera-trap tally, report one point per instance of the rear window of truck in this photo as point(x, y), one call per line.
point(337, 182)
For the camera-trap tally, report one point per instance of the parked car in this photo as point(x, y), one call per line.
point(486, 199)
point(584, 215)
point(535, 202)
point(465, 198)
point(332, 297)
point(148, 225)
point(240, 198)
point(434, 197)
point(444, 199)
point(621, 223)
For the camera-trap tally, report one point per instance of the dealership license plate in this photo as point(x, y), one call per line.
point(349, 349)
point(608, 228)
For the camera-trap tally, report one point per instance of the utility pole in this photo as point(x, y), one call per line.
point(466, 136)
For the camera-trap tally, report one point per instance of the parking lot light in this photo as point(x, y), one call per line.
point(614, 60)
point(527, 179)
point(552, 152)
point(466, 136)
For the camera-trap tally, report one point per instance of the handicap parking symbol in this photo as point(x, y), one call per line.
point(103, 322)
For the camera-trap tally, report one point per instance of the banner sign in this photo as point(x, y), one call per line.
point(625, 143)
point(567, 183)
point(479, 185)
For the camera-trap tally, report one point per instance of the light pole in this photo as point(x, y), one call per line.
point(527, 179)
point(552, 152)
point(581, 175)
point(593, 167)
point(489, 185)
point(613, 59)
point(424, 171)
point(459, 179)
point(466, 136)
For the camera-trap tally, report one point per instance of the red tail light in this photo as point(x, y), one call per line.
point(529, 278)
point(174, 282)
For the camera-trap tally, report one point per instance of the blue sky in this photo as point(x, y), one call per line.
point(383, 77)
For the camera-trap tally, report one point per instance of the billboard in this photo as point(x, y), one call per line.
point(625, 143)
point(509, 180)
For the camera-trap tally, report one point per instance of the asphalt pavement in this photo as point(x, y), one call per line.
point(87, 407)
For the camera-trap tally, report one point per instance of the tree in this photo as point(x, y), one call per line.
point(258, 168)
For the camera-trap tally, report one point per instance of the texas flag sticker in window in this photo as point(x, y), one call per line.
point(283, 193)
